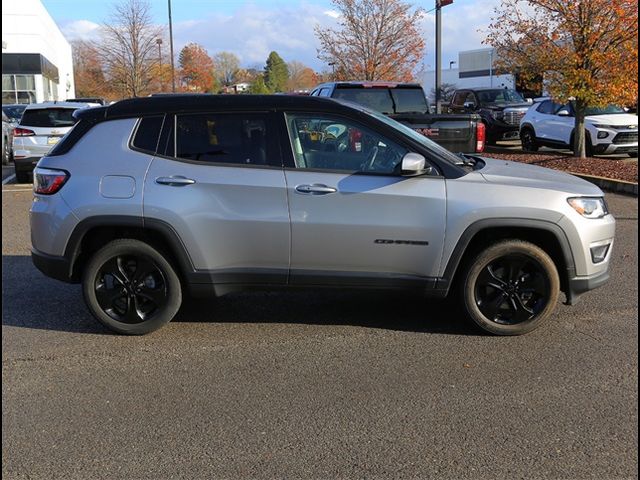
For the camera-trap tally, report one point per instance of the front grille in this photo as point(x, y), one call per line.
point(626, 137)
point(513, 118)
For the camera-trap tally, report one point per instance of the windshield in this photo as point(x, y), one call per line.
point(604, 110)
point(500, 95)
point(14, 112)
point(386, 100)
point(48, 117)
point(430, 145)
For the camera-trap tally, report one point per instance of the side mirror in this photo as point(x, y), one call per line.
point(530, 101)
point(469, 105)
point(413, 164)
point(563, 113)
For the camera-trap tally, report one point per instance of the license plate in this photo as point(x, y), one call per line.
point(52, 140)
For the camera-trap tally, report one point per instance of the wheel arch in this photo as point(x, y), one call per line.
point(93, 233)
point(547, 235)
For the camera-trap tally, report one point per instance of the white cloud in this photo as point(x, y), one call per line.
point(253, 31)
point(80, 30)
point(332, 13)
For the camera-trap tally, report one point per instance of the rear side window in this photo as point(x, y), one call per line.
point(222, 138)
point(147, 134)
point(48, 117)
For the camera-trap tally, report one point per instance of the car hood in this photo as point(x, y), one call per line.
point(521, 174)
point(618, 119)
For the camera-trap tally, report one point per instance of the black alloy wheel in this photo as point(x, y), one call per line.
point(510, 287)
point(131, 287)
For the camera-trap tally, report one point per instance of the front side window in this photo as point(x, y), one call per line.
point(335, 143)
point(222, 138)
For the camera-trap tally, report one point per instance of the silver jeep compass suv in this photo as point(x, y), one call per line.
point(150, 199)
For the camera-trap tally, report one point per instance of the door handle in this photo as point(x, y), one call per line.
point(175, 181)
point(315, 189)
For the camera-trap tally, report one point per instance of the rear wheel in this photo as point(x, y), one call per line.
point(131, 288)
point(528, 139)
point(510, 288)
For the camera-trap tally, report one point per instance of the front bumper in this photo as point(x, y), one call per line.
point(580, 285)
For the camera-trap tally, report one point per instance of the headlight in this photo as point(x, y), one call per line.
point(600, 125)
point(589, 207)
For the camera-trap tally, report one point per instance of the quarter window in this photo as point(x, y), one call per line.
point(222, 138)
point(147, 134)
point(339, 144)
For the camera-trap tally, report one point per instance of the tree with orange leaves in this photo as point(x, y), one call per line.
point(587, 51)
point(196, 68)
point(376, 40)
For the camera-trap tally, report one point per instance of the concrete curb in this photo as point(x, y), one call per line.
point(610, 185)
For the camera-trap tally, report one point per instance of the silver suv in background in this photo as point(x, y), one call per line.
point(150, 199)
point(41, 126)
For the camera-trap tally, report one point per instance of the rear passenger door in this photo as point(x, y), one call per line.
point(218, 181)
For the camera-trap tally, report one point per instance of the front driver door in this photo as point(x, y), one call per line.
point(354, 219)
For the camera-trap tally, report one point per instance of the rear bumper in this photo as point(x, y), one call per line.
point(52, 266)
point(577, 286)
point(26, 164)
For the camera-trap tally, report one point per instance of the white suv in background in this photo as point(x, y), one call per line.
point(609, 130)
point(42, 125)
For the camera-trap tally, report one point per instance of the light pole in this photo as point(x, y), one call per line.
point(173, 69)
point(451, 64)
point(333, 71)
point(159, 43)
point(439, 5)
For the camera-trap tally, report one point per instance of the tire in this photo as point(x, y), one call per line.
point(131, 288)
point(529, 141)
point(22, 177)
point(510, 288)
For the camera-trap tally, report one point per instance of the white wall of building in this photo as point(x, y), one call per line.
point(451, 76)
point(27, 27)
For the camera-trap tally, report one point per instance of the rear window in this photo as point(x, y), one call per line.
point(48, 117)
point(386, 100)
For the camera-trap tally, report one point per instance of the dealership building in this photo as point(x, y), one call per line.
point(475, 69)
point(37, 65)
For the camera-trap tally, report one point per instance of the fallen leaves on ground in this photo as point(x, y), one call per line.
point(600, 167)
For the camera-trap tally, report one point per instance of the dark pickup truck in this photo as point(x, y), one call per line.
point(501, 110)
point(407, 103)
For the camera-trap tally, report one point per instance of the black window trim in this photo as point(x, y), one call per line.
point(271, 142)
point(289, 161)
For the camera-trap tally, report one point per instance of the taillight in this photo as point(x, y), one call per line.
point(23, 132)
point(481, 136)
point(47, 181)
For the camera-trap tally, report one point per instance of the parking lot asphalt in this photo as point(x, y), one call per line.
point(316, 384)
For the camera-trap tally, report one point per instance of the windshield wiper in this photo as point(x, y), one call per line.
point(466, 159)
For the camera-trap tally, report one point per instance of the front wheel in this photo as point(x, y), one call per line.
point(510, 288)
point(528, 139)
point(131, 288)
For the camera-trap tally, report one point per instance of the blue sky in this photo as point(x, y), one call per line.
point(252, 28)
